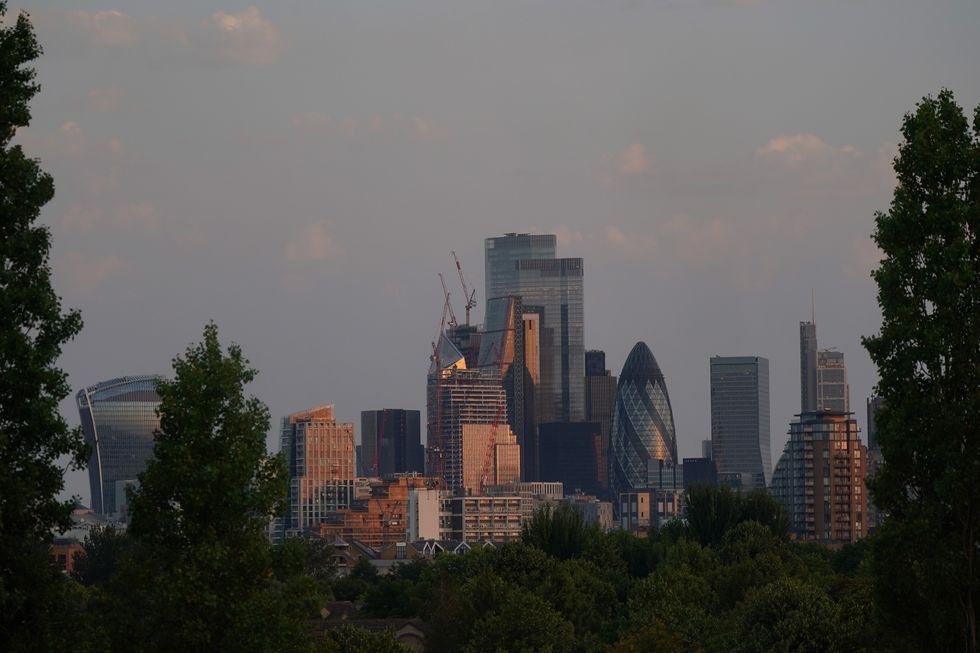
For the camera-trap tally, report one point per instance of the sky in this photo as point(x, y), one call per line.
point(299, 172)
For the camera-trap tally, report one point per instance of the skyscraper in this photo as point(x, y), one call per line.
point(524, 265)
point(502, 351)
point(390, 442)
point(319, 453)
point(643, 440)
point(740, 418)
point(600, 397)
point(469, 438)
point(833, 392)
point(820, 478)
point(118, 420)
point(808, 366)
point(873, 404)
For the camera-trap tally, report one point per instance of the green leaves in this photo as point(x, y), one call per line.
point(928, 359)
point(33, 435)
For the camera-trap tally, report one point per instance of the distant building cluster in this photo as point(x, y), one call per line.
point(519, 415)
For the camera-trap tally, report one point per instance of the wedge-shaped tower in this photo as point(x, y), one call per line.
point(643, 438)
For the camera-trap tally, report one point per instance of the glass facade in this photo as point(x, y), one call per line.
point(390, 442)
point(524, 265)
point(118, 418)
point(740, 432)
point(503, 253)
point(833, 392)
point(808, 366)
point(643, 440)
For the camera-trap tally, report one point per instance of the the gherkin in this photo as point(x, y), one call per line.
point(643, 436)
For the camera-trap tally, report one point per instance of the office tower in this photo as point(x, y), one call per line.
point(571, 452)
point(470, 442)
point(740, 418)
point(532, 383)
point(808, 366)
point(118, 418)
point(643, 440)
point(467, 338)
point(820, 478)
point(833, 393)
point(600, 396)
point(524, 265)
point(391, 442)
point(319, 454)
point(503, 253)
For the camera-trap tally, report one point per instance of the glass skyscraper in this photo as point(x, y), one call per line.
point(740, 418)
point(390, 442)
point(118, 418)
point(524, 265)
point(643, 440)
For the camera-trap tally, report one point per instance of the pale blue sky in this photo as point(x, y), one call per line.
point(299, 172)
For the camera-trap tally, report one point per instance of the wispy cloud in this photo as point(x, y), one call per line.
point(243, 38)
point(312, 243)
point(85, 274)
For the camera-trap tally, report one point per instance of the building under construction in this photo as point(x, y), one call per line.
point(470, 443)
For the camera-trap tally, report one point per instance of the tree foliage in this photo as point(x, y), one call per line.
point(33, 328)
point(201, 575)
point(928, 359)
point(714, 510)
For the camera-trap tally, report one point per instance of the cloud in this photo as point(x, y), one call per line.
point(68, 141)
point(141, 215)
point(103, 99)
point(85, 274)
point(109, 29)
point(567, 236)
point(634, 160)
point(243, 38)
point(795, 149)
point(312, 120)
point(313, 243)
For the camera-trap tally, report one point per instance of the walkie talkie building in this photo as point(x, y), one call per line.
point(118, 417)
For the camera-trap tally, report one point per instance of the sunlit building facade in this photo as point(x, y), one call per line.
point(643, 441)
point(820, 478)
point(833, 391)
point(319, 453)
point(118, 419)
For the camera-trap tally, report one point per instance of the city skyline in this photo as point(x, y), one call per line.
point(201, 176)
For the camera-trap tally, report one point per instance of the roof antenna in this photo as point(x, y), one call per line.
point(813, 319)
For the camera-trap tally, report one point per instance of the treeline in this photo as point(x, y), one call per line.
point(725, 581)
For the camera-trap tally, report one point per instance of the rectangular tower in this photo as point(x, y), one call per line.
point(833, 392)
point(319, 453)
point(820, 478)
point(600, 397)
point(391, 442)
point(808, 366)
point(740, 418)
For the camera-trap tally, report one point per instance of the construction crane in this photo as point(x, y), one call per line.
point(435, 417)
point(467, 293)
point(445, 291)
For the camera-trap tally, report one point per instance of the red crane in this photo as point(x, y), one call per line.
point(467, 293)
point(435, 417)
point(445, 292)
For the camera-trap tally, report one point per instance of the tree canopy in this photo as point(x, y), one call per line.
point(928, 358)
point(33, 329)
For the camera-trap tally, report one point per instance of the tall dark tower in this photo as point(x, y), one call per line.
point(600, 397)
point(740, 418)
point(390, 442)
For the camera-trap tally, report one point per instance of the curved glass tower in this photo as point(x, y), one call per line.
point(119, 417)
point(643, 436)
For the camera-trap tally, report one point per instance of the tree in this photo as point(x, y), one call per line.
point(103, 551)
point(202, 575)
point(559, 531)
point(928, 359)
point(33, 328)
